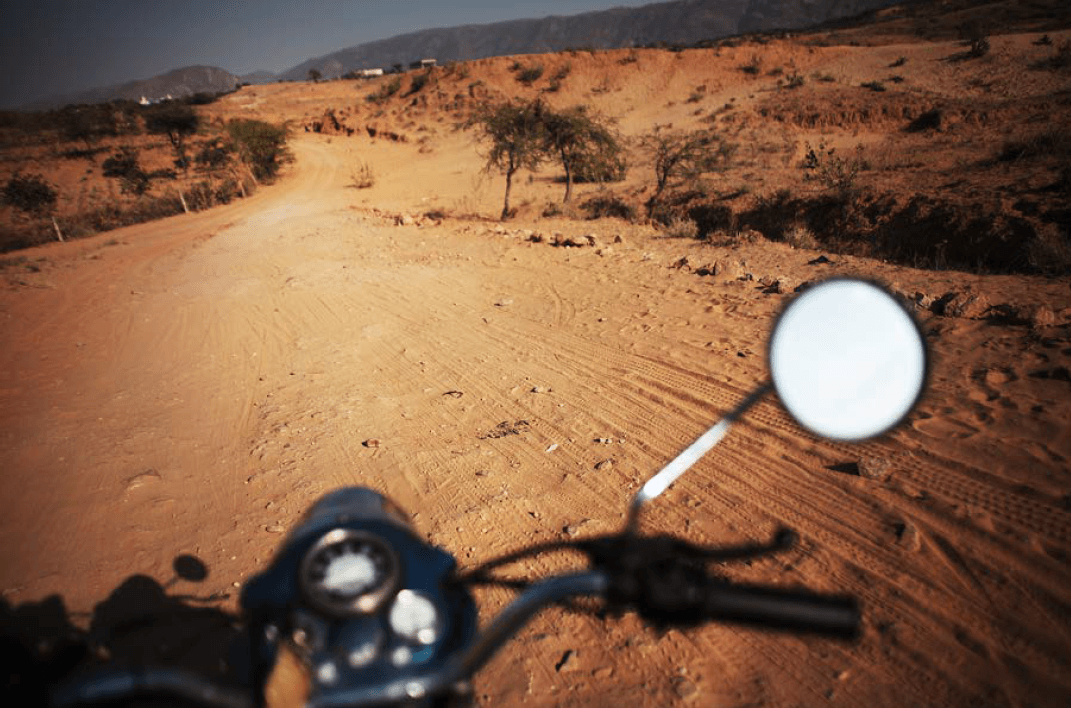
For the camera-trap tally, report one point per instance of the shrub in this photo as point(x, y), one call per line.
point(29, 193)
point(608, 205)
point(124, 166)
point(418, 82)
point(385, 91)
point(1051, 143)
point(899, 62)
point(753, 67)
point(362, 175)
point(795, 80)
point(213, 155)
point(929, 120)
point(979, 47)
point(798, 235)
point(202, 98)
point(1060, 60)
point(679, 155)
point(873, 86)
point(682, 228)
point(530, 74)
point(831, 170)
point(630, 58)
point(261, 145)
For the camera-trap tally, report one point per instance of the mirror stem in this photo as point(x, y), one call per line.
point(689, 456)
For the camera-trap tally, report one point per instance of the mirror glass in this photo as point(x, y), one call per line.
point(848, 362)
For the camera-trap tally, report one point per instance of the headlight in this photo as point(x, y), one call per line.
point(413, 616)
point(349, 573)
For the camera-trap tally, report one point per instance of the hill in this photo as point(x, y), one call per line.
point(178, 83)
point(679, 22)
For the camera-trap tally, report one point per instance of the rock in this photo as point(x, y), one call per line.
point(907, 536)
point(591, 239)
point(780, 285)
point(965, 305)
point(604, 441)
point(371, 442)
point(619, 239)
point(923, 301)
point(568, 661)
point(875, 468)
point(604, 465)
point(536, 238)
point(682, 262)
point(404, 220)
point(504, 303)
point(1042, 316)
point(274, 528)
point(684, 688)
point(820, 260)
point(541, 389)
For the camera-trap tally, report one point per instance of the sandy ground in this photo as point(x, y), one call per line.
point(192, 385)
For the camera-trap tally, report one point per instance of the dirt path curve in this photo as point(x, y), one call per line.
point(196, 386)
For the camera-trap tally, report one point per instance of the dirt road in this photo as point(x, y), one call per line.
point(192, 385)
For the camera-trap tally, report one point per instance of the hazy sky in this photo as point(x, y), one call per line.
point(57, 46)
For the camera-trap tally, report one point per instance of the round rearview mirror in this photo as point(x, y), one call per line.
point(847, 360)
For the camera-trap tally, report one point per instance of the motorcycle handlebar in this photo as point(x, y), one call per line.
point(774, 608)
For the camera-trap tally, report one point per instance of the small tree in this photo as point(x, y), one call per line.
point(680, 155)
point(177, 121)
point(584, 143)
point(29, 193)
point(261, 145)
point(315, 75)
point(517, 137)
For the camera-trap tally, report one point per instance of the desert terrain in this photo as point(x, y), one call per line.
point(193, 384)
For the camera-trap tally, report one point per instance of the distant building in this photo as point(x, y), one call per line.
point(422, 64)
point(144, 101)
point(370, 73)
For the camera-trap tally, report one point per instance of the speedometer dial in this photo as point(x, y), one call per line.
point(349, 573)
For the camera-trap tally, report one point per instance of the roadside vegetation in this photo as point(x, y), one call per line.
point(526, 134)
point(140, 163)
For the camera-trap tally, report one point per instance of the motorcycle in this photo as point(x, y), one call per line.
point(381, 618)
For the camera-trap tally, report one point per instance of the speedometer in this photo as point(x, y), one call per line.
point(349, 573)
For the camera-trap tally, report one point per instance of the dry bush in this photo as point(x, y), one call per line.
point(1051, 143)
point(682, 228)
point(753, 67)
point(1049, 252)
point(609, 205)
point(530, 74)
point(798, 235)
point(362, 176)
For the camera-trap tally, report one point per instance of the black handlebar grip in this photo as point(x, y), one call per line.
point(774, 608)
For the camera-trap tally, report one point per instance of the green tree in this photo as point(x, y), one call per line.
point(516, 134)
point(585, 144)
point(261, 145)
point(315, 75)
point(177, 121)
point(681, 155)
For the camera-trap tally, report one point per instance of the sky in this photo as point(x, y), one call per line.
point(50, 47)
